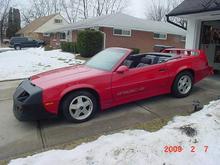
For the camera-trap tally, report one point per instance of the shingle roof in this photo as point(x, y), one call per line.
point(120, 20)
point(35, 24)
point(195, 6)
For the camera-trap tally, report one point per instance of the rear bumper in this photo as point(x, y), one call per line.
point(28, 102)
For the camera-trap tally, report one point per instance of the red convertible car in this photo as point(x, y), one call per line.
point(112, 77)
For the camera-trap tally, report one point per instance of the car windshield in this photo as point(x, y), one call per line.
point(106, 59)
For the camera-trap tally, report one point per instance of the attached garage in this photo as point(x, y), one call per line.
point(203, 27)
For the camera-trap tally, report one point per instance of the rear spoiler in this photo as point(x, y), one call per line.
point(187, 52)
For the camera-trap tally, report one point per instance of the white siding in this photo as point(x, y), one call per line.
point(50, 25)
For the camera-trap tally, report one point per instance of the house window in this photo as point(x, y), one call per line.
point(122, 32)
point(160, 36)
point(58, 20)
point(46, 34)
point(183, 38)
point(62, 36)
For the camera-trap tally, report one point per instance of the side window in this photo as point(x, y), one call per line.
point(160, 36)
point(122, 32)
point(29, 39)
point(58, 21)
point(24, 39)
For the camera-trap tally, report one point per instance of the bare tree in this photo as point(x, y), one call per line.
point(160, 8)
point(40, 8)
point(157, 11)
point(84, 9)
point(5, 5)
point(108, 6)
point(70, 9)
point(92, 8)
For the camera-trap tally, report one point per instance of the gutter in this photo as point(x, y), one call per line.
point(193, 12)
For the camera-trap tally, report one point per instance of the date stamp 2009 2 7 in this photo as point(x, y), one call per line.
point(180, 149)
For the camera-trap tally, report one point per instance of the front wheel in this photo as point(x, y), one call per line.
point(182, 85)
point(79, 106)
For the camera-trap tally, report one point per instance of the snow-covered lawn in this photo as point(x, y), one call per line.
point(27, 62)
point(198, 135)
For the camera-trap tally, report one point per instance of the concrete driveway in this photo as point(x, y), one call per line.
point(17, 138)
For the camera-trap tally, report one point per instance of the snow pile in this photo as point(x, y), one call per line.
point(137, 147)
point(27, 62)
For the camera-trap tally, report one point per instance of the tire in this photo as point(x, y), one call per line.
point(183, 84)
point(17, 47)
point(84, 106)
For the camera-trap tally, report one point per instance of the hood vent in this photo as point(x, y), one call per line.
point(23, 96)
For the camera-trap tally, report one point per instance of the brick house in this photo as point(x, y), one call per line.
point(121, 30)
point(38, 28)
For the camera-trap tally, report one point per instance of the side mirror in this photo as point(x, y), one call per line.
point(122, 69)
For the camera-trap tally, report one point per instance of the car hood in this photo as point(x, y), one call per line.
point(62, 75)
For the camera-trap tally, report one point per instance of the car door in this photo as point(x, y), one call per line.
point(138, 83)
point(31, 43)
point(24, 42)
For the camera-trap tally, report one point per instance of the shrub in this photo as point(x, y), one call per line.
point(48, 48)
point(135, 50)
point(89, 43)
point(68, 47)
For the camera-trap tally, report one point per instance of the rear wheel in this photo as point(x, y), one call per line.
point(79, 106)
point(183, 84)
point(17, 47)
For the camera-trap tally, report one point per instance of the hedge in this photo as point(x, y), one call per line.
point(89, 42)
point(135, 50)
point(69, 47)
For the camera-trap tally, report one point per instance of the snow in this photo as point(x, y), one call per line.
point(137, 147)
point(27, 62)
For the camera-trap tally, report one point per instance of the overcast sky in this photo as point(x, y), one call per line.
point(137, 8)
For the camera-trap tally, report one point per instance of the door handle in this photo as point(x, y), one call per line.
point(162, 70)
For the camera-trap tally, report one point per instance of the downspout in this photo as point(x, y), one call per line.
point(175, 24)
point(104, 39)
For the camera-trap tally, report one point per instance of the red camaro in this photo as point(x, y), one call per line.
point(114, 76)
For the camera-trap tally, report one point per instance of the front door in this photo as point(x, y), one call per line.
point(138, 83)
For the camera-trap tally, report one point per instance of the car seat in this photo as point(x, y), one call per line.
point(144, 62)
point(162, 59)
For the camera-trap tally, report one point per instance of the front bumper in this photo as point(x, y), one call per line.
point(11, 46)
point(28, 103)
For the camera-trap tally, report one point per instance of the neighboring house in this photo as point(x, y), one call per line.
point(121, 30)
point(203, 29)
point(38, 28)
